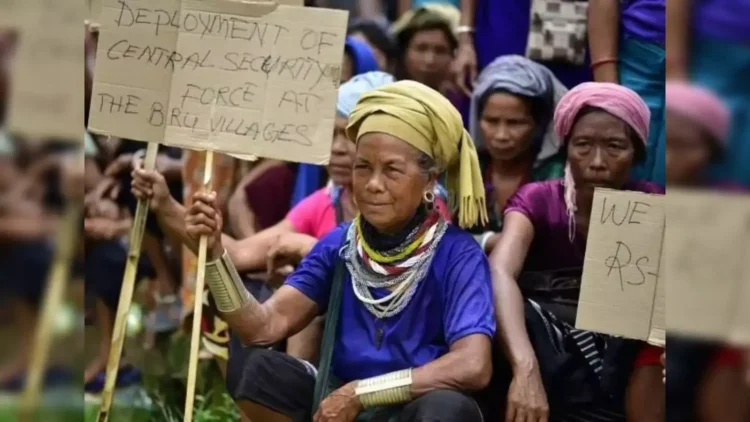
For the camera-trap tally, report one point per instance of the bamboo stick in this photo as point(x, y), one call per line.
point(126, 293)
point(200, 278)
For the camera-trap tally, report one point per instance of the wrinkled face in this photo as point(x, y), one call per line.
point(388, 183)
point(428, 57)
point(689, 151)
point(507, 126)
point(347, 68)
point(600, 151)
point(342, 154)
point(380, 55)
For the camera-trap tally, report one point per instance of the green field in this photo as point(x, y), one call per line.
point(159, 398)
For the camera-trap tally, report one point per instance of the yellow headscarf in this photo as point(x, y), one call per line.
point(422, 117)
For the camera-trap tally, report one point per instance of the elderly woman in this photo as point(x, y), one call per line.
point(511, 123)
point(293, 237)
point(556, 368)
point(413, 338)
point(705, 378)
point(697, 135)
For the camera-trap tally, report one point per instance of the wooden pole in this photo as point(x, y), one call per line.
point(200, 277)
point(65, 247)
point(126, 292)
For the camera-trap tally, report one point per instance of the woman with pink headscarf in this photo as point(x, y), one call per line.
point(705, 377)
point(699, 125)
point(556, 371)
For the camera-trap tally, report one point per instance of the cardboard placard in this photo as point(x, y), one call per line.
point(708, 248)
point(47, 92)
point(94, 11)
point(235, 77)
point(622, 292)
point(12, 12)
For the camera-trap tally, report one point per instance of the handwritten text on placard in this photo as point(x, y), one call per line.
point(622, 265)
point(220, 75)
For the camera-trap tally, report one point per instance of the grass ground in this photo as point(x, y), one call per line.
point(159, 398)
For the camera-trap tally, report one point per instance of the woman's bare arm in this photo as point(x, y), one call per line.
point(241, 217)
point(466, 367)
point(678, 38)
point(286, 313)
point(248, 254)
point(506, 263)
point(468, 9)
point(251, 254)
point(604, 33)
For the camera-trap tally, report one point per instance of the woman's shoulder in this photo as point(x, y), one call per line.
point(337, 235)
point(541, 190)
point(319, 199)
point(331, 243)
point(457, 241)
point(540, 202)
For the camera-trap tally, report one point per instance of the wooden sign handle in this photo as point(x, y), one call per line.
point(200, 278)
point(126, 292)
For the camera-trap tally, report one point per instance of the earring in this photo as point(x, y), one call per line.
point(429, 200)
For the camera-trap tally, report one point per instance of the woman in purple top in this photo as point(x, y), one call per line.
point(558, 371)
point(705, 376)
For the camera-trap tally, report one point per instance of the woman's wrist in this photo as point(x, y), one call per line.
point(484, 238)
point(350, 391)
point(385, 390)
point(524, 365)
point(466, 39)
point(166, 205)
point(216, 252)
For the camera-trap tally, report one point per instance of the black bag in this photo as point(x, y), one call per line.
point(567, 377)
point(555, 291)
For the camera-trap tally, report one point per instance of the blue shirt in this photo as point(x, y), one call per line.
point(419, 3)
point(726, 20)
point(454, 300)
point(502, 28)
point(644, 19)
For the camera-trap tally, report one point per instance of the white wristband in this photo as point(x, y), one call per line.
point(483, 241)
